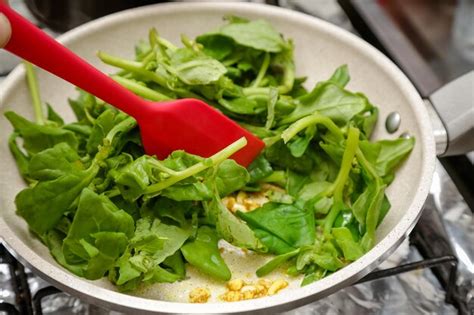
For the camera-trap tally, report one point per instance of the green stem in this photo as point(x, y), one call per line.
point(165, 43)
point(307, 121)
point(337, 187)
point(249, 91)
point(271, 104)
point(229, 62)
point(34, 92)
point(132, 66)
point(373, 212)
point(152, 38)
point(140, 89)
point(262, 71)
point(136, 67)
point(366, 164)
point(161, 167)
point(288, 80)
point(275, 177)
point(125, 125)
point(147, 58)
point(285, 87)
point(104, 150)
point(281, 105)
point(199, 167)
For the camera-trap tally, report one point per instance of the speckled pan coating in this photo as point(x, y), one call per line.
point(320, 48)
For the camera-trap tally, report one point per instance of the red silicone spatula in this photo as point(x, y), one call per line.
point(186, 124)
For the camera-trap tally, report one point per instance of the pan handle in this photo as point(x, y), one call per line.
point(452, 116)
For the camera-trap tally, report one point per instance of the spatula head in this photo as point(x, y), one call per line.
point(195, 127)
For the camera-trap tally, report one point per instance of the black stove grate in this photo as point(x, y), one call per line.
point(19, 283)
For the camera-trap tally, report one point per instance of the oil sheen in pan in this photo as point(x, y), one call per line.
point(243, 265)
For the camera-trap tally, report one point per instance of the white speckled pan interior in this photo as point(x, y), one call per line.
point(320, 48)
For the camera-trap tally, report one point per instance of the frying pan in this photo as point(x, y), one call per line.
point(320, 48)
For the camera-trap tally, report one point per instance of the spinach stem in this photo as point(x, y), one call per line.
point(271, 103)
point(233, 59)
point(152, 38)
point(307, 121)
point(132, 66)
point(34, 92)
point(275, 177)
point(198, 167)
point(366, 164)
point(288, 80)
point(147, 58)
point(125, 125)
point(373, 212)
point(140, 90)
point(166, 43)
point(337, 188)
point(137, 68)
point(281, 105)
point(262, 71)
point(249, 91)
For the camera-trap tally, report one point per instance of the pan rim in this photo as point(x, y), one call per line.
point(122, 302)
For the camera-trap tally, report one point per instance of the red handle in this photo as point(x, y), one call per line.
point(32, 44)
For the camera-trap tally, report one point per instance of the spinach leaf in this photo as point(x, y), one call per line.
point(258, 34)
point(280, 155)
point(195, 69)
point(330, 100)
point(102, 126)
point(133, 178)
point(176, 263)
point(203, 253)
point(54, 117)
point(231, 228)
point(22, 161)
point(43, 205)
point(54, 162)
point(37, 138)
point(295, 182)
point(272, 242)
point(216, 45)
point(299, 144)
point(109, 245)
point(259, 169)
point(392, 153)
point(341, 76)
point(291, 224)
point(350, 248)
point(275, 263)
point(54, 240)
point(153, 243)
point(230, 177)
point(95, 214)
point(242, 105)
point(322, 254)
point(176, 211)
point(386, 155)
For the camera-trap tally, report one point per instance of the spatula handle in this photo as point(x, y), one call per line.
point(32, 44)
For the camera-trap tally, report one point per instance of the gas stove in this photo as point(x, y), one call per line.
point(418, 277)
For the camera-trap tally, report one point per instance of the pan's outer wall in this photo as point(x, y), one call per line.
point(320, 48)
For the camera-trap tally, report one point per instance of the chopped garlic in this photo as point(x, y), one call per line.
point(199, 295)
point(277, 286)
